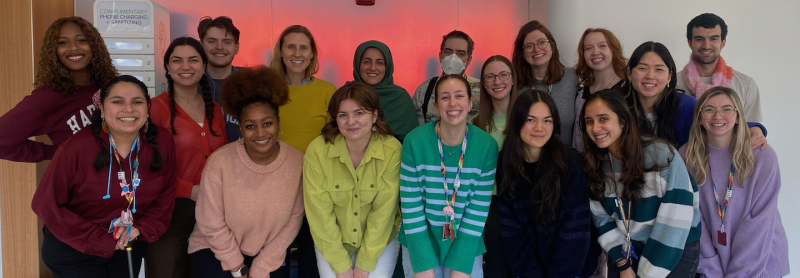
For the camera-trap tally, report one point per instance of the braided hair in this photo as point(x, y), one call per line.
point(102, 159)
point(209, 103)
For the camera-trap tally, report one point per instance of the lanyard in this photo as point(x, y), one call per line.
point(627, 247)
point(721, 208)
point(451, 201)
point(128, 189)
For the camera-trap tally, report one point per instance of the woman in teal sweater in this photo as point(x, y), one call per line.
point(443, 218)
point(643, 202)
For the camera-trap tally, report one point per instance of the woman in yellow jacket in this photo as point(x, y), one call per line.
point(351, 176)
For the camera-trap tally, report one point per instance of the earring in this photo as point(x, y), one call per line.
point(105, 126)
point(280, 135)
point(373, 128)
point(146, 126)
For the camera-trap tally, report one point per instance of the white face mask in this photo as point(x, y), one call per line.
point(453, 65)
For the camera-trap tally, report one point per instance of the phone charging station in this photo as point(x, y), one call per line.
point(136, 33)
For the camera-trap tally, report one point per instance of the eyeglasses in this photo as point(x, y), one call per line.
point(541, 44)
point(504, 75)
point(726, 112)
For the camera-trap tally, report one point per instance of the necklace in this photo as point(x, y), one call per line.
point(456, 148)
point(609, 85)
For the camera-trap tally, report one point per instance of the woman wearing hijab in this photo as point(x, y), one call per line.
point(374, 66)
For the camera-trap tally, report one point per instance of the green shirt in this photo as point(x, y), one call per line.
point(350, 209)
point(422, 198)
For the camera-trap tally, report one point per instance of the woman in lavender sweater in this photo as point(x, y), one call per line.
point(742, 234)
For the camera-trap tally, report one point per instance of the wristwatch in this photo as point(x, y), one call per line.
point(241, 272)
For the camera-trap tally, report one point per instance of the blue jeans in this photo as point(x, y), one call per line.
point(441, 271)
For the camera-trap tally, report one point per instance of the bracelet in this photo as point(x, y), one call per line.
point(624, 266)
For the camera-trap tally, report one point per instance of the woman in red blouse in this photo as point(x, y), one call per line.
point(198, 127)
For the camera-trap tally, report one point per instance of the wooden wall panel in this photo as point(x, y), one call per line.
point(29, 19)
point(17, 180)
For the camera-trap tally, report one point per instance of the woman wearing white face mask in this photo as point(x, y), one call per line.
point(455, 55)
point(536, 61)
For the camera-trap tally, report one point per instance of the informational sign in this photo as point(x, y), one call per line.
point(124, 16)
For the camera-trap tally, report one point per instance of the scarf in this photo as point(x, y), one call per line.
point(398, 109)
point(721, 77)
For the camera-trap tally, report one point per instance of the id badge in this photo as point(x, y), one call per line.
point(626, 248)
point(722, 238)
point(446, 233)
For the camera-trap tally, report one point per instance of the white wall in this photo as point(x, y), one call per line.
point(763, 41)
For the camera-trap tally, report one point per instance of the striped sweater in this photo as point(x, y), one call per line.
point(422, 198)
point(662, 222)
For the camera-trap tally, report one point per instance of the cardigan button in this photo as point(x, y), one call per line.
point(371, 186)
point(356, 195)
point(355, 230)
point(354, 243)
point(202, 134)
point(337, 186)
point(355, 213)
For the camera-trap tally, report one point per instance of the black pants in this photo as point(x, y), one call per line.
point(686, 268)
point(168, 257)
point(495, 259)
point(306, 257)
point(206, 265)
point(66, 262)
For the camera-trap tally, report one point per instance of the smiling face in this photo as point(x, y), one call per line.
point(373, 66)
point(355, 123)
point(602, 125)
point(185, 66)
point(650, 76)
point(296, 53)
point(706, 44)
point(596, 51)
point(125, 109)
point(220, 47)
point(73, 48)
point(537, 57)
point(260, 127)
point(538, 127)
point(498, 88)
point(452, 102)
point(718, 116)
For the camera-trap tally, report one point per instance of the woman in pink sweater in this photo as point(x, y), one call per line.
point(250, 205)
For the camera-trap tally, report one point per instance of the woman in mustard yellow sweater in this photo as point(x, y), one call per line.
point(351, 183)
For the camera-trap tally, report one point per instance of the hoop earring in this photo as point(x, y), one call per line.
point(105, 126)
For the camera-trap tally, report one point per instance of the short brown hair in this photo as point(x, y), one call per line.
point(618, 60)
point(277, 62)
point(222, 22)
point(365, 97)
point(456, 34)
point(555, 69)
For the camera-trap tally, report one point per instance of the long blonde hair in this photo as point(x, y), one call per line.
point(696, 152)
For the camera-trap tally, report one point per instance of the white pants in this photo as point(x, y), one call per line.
point(441, 271)
point(383, 269)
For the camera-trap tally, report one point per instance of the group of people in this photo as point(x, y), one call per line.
point(533, 169)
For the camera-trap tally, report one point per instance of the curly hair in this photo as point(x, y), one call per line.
point(248, 86)
point(54, 75)
point(365, 97)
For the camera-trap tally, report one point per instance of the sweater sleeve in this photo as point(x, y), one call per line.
point(381, 219)
point(751, 100)
point(319, 210)
point(610, 237)
point(154, 223)
point(571, 242)
point(273, 253)
point(210, 214)
point(751, 248)
point(470, 230)
point(17, 125)
point(50, 204)
point(673, 221)
point(412, 206)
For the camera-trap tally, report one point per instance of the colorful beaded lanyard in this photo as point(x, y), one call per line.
point(128, 189)
point(450, 219)
point(722, 236)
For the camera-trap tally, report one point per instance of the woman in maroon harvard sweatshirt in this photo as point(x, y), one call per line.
point(73, 64)
point(119, 171)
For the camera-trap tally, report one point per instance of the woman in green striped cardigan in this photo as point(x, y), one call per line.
point(446, 181)
point(643, 202)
